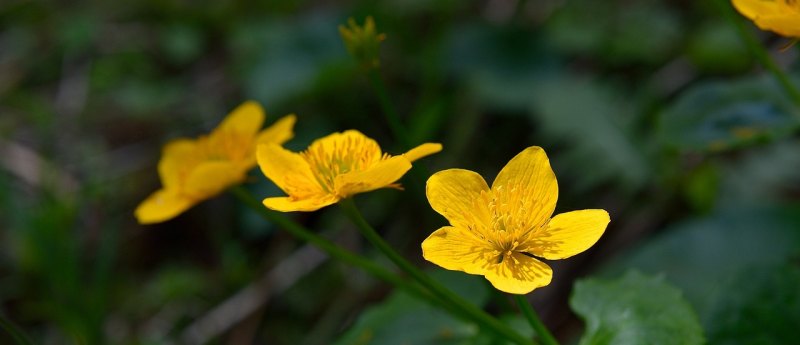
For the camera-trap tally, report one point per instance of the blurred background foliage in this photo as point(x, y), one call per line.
point(650, 109)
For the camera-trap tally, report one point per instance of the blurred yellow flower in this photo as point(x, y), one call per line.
point(780, 16)
point(362, 42)
point(333, 168)
point(497, 232)
point(194, 170)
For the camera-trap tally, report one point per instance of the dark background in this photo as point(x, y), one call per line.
point(652, 110)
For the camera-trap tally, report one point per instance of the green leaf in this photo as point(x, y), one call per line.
point(702, 187)
point(635, 309)
point(639, 32)
point(280, 58)
point(402, 319)
point(592, 121)
point(722, 115)
point(731, 265)
point(761, 173)
point(717, 48)
point(759, 306)
point(499, 66)
point(697, 255)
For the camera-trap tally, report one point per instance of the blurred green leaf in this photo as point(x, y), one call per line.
point(402, 319)
point(699, 256)
point(637, 32)
point(634, 309)
point(701, 187)
point(280, 58)
point(761, 305)
point(499, 65)
point(143, 97)
point(765, 173)
point(721, 115)
point(181, 43)
point(716, 48)
point(593, 122)
point(174, 284)
point(76, 31)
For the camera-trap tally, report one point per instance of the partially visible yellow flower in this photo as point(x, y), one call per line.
point(334, 167)
point(193, 170)
point(498, 232)
point(362, 42)
point(780, 16)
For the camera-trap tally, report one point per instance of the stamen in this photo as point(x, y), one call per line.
point(512, 217)
point(340, 154)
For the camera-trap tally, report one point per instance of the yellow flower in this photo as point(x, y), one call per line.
point(497, 232)
point(780, 16)
point(194, 170)
point(333, 168)
point(362, 42)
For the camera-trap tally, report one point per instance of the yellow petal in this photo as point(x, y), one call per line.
point(380, 175)
point(247, 118)
point(756, 8)
point(288, 170)
point(528, 183)
point(177, 159)
point(279, 132)
point(786, 25)
point(288, 204)
point(454, 194)
point(350, 145)
point(457, 249)
point(423, 150)
point(210, 178)
point(569, 234)
point(161, 206)
point(519, 274)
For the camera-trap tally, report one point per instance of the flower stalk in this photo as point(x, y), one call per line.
point(331, 248)
point(387, 108)
point(363, 44)
point(761, 54)
point(441, 292)
point(541, 331)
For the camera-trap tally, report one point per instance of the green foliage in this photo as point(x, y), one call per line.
point(280, 58)
point(634, 309)
point(696, 255)
point(715, 47)
point(594, 122)
point(650, 109)
point(736, 266)
point(402, 319)
point(702, 187)
point(719, 116)
point(761, 305)
point(615, 33)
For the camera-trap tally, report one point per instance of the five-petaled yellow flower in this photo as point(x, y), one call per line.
point(194, 170)
point(333, 168)
point(497, 232)
point(780, 16)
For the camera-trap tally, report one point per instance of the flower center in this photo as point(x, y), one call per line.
point(331, 157)
point(513, 220)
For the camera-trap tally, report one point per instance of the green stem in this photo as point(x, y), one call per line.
point(541, 331)
point(331, 248)
point(761, 54)
point(419, 174)
point(474, 313)
point(14, 331)
point(392, 118)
